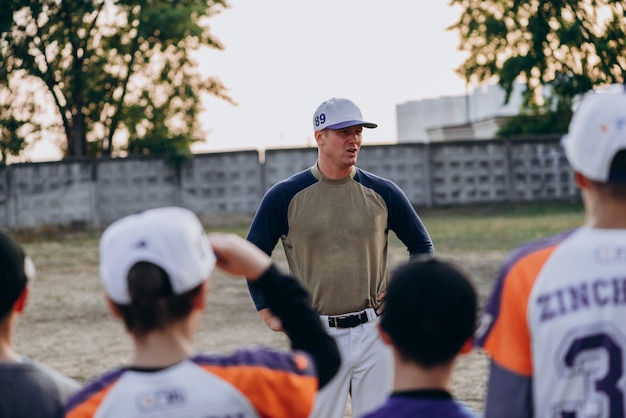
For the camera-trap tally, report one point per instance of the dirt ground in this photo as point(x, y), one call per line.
point(66, 324)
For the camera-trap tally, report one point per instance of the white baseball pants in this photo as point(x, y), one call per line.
point(366, 371)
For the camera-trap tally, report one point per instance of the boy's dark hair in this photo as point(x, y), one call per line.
point(430, 311)
point(615, 188)
point(13, 277)
point(153, 305)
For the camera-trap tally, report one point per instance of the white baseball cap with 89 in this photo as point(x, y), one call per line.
point(338, 113)
point(170, 237)
point(597, 132)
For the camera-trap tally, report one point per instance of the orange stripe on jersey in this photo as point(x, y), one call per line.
point(508, 343)
point(274, 393)
point(88, 408)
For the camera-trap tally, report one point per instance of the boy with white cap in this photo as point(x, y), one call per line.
point(555, 324)
point(155, 267)
point(333, 220)
point(27, 388)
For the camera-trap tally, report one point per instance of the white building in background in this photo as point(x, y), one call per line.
point(477, 115)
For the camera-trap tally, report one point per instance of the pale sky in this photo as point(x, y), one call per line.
point(282, 58)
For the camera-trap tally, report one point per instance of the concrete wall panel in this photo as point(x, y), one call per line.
point(222, 182)
point(97, 192)
point(540, 171)
point(52, 193)
point(469, 172)
point(130, 185)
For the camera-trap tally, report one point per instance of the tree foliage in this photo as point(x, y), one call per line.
point(17, 120)
point(559, 48)
point(120, 72)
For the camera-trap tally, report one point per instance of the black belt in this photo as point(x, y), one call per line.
point(347, 321)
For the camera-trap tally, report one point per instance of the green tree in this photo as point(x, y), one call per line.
point(559, 48)
point(17, 119)
point(11, 141)
point(120, 72)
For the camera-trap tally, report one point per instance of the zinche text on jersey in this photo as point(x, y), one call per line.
point(585, 295)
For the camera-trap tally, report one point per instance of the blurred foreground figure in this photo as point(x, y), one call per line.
point(27, 389)
point(155, 267)
point(429, 320)
point(555, 325)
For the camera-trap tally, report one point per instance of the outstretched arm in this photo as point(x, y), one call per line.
point(285, 297)
point(290, 302)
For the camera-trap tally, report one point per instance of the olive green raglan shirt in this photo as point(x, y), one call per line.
point(334, 234)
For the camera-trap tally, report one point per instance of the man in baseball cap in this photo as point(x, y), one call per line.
point(155, 267)
point(27, 388)
point(337, 113)
point(333, 220)
point(554, 325)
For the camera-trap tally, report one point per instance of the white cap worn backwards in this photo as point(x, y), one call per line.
point(171, 237)
point(597, 132)
point(337, 114)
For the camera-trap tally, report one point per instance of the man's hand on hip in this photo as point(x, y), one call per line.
point(272, 321)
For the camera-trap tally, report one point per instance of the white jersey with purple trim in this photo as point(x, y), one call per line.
point(557, 317)
point(577, 313)
point(244, 384)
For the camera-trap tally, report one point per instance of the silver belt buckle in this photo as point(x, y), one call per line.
point(334, 319)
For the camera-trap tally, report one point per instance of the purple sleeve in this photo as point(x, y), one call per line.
point(508, 394)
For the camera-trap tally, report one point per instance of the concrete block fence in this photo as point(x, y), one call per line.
point(95, 192)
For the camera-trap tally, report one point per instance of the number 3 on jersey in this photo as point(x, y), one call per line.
point(592, 361)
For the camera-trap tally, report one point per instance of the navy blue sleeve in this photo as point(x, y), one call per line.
point(271, 222)
point(268, 224)
point(408, 226)
point(403, 219)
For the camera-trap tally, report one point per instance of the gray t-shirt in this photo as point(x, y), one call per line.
point(29, 389)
